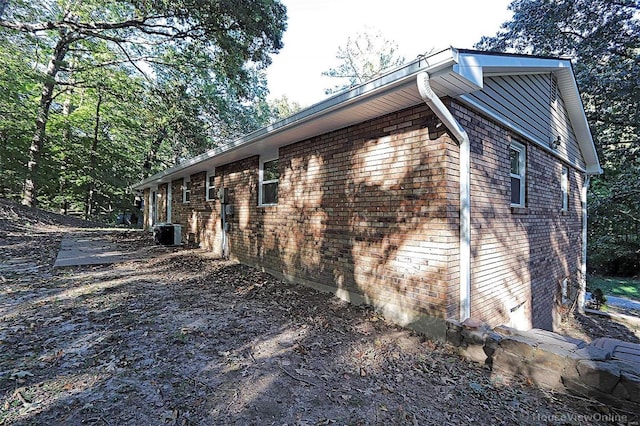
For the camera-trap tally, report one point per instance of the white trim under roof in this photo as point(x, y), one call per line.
point(453, 72)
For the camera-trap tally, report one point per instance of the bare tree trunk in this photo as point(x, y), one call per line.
point(35, 150)
point(91, 186)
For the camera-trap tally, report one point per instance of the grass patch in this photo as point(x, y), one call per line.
point(623, 287)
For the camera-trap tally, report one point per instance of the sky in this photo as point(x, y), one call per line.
point(316, 28)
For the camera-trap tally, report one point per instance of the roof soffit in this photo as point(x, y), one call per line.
point(452, 72)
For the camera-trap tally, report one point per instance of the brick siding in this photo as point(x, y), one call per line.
point(369, 210)
point(200, 219)
point(147, 202)
point(372, 212)
point(162, 202)
point(519, 256)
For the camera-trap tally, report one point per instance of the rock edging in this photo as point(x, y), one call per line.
point(606, 369)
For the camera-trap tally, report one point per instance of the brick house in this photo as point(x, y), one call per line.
point(452, 187)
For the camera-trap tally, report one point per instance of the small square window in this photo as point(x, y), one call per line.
point(211, 186)
point(269, 176)
point(517, 157)
point(270, 193)
point(186, 190)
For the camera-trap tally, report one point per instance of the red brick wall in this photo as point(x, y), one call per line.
point(248, 236)
point(519, 256)
point(200, 219)
point(180, 212)
point(147, 203)
point(370, 211)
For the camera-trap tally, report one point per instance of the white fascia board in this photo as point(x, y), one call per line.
point(575, 109)
point(474, 66)
point(359, 94)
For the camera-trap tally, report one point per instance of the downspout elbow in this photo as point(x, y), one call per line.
point(443, 113)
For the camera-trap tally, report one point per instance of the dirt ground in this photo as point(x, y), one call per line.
point(180, 338)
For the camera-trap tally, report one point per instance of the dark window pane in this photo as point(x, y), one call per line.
point(515, 161)
point(270, 170)
point(212, 193)
point(515, 191)
point(187, 190)
point(270, 193)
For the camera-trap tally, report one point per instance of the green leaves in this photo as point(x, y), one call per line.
point(174, 78)
point(18, 92)
point(602, 38)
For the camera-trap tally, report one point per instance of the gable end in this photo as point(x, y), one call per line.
point(533, 107)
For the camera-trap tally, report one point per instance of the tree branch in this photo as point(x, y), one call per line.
point(28, 27)
point(150, 25)
point(131, 61)
point(108, 63)
point(631, 216)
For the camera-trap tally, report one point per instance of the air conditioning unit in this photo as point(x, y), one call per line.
point(167, 234)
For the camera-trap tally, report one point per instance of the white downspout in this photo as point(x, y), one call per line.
point(436, 105)
point(153, 205)
point(169, 201)
point(583, 266)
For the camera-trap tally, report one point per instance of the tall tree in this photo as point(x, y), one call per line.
point(365, 55)
point(18, 87)
point(88, 129)
point(282, 107)
point(602, 38)
point(232, 32)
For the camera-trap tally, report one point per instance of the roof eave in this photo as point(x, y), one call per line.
point(435, 62)
point(575, 109)
point(468, 69)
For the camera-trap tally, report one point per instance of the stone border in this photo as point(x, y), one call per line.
point(553, 361)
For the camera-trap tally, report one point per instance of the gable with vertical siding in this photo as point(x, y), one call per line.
point(533, 106)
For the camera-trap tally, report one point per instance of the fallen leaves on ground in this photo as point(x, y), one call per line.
point(180, 338)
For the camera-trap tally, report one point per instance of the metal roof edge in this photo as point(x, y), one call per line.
point(435, 61)
point(575, 109)
point(470, 64)
point(475, 65)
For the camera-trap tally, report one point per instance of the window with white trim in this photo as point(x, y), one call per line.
point(210, 186)
point(564, 187)
point(186, 190)
point(268, 185)
point(518, 160)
